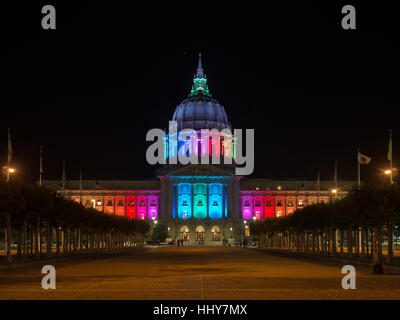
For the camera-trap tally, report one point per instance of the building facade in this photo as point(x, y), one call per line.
point(201, 203)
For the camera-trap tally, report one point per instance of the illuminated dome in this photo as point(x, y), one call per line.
point(200, 110)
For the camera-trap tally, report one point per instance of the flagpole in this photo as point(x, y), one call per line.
point(8, 155)
point(80, 186)
point(318, 187)
point(336, 174)
point(63, 178)
point(41, 166)
point(391, 157)
point(358, 164)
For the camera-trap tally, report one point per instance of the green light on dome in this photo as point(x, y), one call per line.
point(200, 86)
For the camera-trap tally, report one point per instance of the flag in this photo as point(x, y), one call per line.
point(9, 157)
point(389, 155)
point(363, 159)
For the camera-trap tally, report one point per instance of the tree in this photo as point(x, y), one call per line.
point(160, 233)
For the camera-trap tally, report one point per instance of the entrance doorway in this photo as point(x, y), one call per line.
point(200, 232)
point(215, 233)
point(184, 233)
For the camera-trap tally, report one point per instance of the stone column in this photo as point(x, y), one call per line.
point(208, 201)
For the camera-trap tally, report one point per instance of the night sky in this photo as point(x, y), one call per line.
point(91, 89)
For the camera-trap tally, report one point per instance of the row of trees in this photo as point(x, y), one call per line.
point(29, 210)
point(360, 220)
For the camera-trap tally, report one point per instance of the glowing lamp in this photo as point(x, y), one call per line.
point(386, 171)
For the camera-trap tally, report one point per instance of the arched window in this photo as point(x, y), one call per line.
point(184, 233)
point(200, 231)
point(215, 233)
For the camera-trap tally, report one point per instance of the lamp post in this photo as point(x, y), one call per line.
point(334, 193)
point(8, 171)
point(388, 172)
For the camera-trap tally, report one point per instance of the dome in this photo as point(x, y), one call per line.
point(200, 110)
point(201, 113)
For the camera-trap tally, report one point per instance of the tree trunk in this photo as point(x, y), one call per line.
point(80, 239)
point(25, 241)
point(49, 235)
point(341, 242)
point(58, 240)
point(358, 241)
point(37, 237)
point(362, 242)
point(19, 247)
point(8, 237)
point(377, 251)
point(389, 229)
point(349, 241)
point(333, 245)
point(32, 238)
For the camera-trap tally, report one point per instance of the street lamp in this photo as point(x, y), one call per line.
point(8, 171)
point(334, 192)
point(244, 221)
point(254, 218)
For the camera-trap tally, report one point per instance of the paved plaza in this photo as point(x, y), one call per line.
point(196, 273)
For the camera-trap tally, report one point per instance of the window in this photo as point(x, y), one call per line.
point(98, 203)
point(200, 203)
point(311, 201)
point(184, 203)
point(215, 204)
point(322, 201)
point(87, 203)
point(131, 203)
point(269, 203)
point(153, 203)
point(142, 203)
point(246, 203)
point(300, 203)
point(120, 203)
point(290, 203)
point(257, 203)
point(109, 203)
point(279, 203)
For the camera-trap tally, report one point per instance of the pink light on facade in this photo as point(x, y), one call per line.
point(247, 207)
point(152, 207)
point(141, 207)
point(258, 206)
